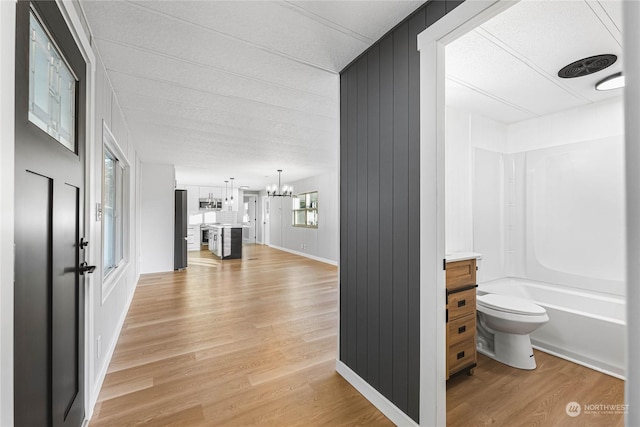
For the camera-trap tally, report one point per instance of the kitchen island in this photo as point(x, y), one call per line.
point(225, 241)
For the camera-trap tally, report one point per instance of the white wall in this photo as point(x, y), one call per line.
point(7, 88)
point(158, 212)
point(321, 243)
point(590, 122)
point(105, 313)
point(110, 297)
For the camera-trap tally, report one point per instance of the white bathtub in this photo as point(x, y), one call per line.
point(584, 327)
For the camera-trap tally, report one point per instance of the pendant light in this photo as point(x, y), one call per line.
point(226, 193)
point(231, 189)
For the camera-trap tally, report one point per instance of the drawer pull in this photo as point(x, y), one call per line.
point(462, 303)
point(461, 329)
point(460, 355)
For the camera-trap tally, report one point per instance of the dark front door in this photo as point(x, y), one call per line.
point(49, 168)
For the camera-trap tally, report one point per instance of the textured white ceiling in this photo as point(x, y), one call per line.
point(243, 88)
point(507, 69)
point(236, 88)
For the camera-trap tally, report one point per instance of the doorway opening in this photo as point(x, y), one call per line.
point(432, 45)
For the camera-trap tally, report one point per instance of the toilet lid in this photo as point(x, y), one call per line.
point(510, 304)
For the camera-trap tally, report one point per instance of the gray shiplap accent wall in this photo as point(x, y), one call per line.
point(380, 211)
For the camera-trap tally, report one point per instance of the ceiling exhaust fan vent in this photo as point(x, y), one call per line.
point(586, 66)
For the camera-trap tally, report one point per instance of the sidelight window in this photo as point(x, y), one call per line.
point(52, 87)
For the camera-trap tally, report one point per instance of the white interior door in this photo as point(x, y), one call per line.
point(265, 220)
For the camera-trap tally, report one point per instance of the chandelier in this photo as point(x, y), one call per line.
point(279, 190)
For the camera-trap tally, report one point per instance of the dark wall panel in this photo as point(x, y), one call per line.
point(373, 216)
point(380, 211)
point(386, 217)
point(352, 212)
point(400, 198)
point(361, 215)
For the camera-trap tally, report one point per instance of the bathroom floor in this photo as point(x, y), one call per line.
point(499, 395)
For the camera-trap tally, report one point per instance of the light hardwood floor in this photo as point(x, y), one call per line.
point(253, 341)
point(499, 395)
point(233, 343)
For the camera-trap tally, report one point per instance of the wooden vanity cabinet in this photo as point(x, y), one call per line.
point(461, 316)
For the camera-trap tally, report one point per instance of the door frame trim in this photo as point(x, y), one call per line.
point(431, 45)
point(7, 206)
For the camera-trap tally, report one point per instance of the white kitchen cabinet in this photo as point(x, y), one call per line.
point(193, 238)
point(193, 195)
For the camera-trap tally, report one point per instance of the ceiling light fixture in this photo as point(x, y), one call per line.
point(226, 193)
point(231, 189)
point(614, 81)
point(279, 190)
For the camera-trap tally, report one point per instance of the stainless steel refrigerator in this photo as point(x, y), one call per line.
point(181, 220)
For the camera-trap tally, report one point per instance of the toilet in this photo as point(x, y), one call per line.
point(504, 325)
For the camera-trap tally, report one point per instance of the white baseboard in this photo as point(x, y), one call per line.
point(313, 257)
point(385, 406)
point(112, 347)
point(596, 365)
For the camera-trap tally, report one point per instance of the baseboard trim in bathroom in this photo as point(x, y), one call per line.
point(383, 404)
point(579, 359)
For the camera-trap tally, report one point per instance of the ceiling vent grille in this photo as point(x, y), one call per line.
point(586, 66)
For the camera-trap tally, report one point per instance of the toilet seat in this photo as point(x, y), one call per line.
point(509, 304)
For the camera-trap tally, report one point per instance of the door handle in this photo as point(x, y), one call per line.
point(84, 268)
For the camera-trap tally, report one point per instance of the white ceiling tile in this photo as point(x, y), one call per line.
point(464, 98)
point(268, 25)
point(515, 57)
point(131, 61)
point(481, 64)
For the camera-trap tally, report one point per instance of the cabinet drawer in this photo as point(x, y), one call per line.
point(462, 303)
point(461, 273)
point(461, 329)
point(461, 355)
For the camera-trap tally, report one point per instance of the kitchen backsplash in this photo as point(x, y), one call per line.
point(227, 217)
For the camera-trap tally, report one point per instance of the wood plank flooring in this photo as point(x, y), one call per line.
point(499, 395)
point(253, 342)
point(233, 343)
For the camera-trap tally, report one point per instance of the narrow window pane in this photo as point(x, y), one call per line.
point(52, 86)
point(299, 218)
point(119, 234)
point(108, 212)
point(312, 218)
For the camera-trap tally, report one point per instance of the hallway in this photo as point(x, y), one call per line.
point(239, 342)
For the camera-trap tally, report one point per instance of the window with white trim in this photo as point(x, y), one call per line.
point(115, 212)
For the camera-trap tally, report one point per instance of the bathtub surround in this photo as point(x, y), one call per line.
point(550, 188)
